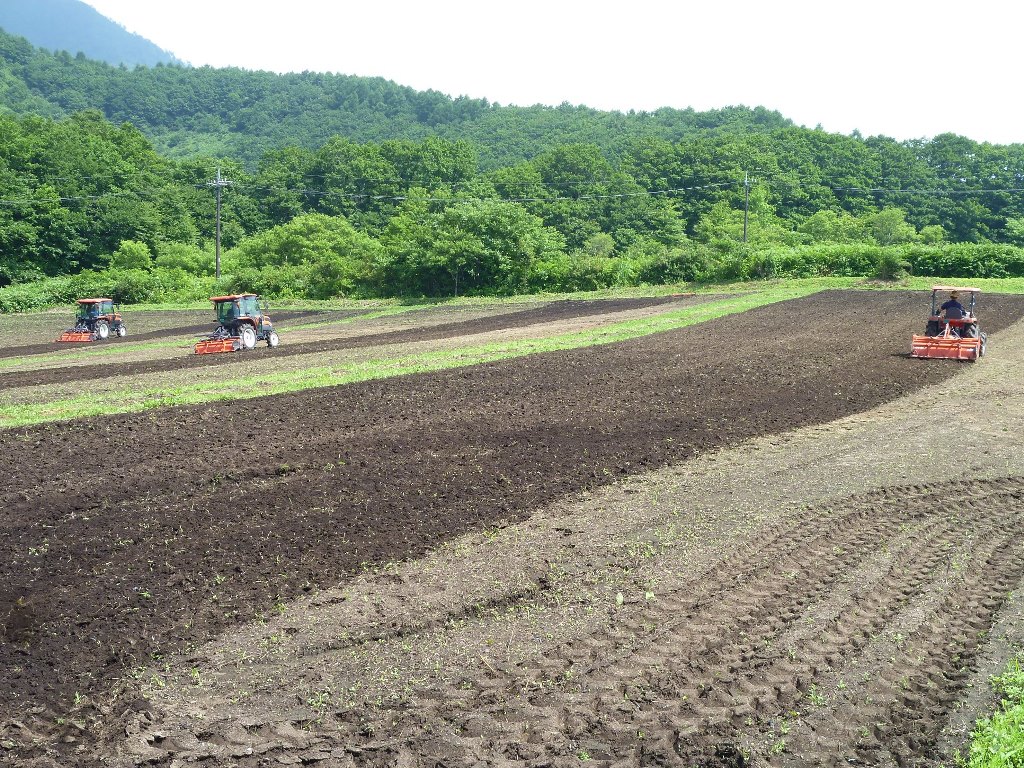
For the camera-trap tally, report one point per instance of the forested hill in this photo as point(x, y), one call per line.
point(241, 114)
point(73, 26)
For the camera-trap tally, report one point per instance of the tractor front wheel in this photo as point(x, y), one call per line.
point(102, 330)
point(248, 336)
point(121, 331)
point(273, 339)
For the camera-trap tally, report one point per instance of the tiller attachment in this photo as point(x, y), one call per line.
point(222, 344)
point(76, 335)
point(947, 345)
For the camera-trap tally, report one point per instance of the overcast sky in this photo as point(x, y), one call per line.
point(901, 68)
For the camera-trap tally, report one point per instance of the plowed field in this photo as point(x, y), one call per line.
point(659, 551)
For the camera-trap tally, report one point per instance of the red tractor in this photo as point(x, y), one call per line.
point(95, 320)
point(952, 331)
point(242, 321)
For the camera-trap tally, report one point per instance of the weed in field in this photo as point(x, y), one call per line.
point(816, 697)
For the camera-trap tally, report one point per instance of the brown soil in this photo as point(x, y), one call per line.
point(197, 519)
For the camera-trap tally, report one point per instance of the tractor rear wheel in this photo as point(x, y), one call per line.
point(273, 339)
point(102, 330)
point(932, 328)
point(248, 336)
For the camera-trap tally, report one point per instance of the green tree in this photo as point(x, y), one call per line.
point(833, 227)
point(724, 222)
point(1015, 230)
point(889, 227)
point(480, 246)
point(334, 259)
point(131, 254)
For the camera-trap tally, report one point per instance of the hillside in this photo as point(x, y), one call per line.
point(73, 26)
point(232, 112)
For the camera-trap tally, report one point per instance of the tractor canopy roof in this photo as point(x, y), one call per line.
point(233, 297)
point(93, 301)
point(955, 288)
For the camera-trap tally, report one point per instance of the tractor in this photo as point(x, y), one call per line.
point(95, 320)
point(242, 321)
point(952, 331)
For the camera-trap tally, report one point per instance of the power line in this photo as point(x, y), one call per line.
point(773, 182)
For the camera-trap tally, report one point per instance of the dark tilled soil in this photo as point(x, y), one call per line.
point(549, 313)
point(124, 537)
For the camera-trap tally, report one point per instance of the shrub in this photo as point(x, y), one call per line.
point(891, 265)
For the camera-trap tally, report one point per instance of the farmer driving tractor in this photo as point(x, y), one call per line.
point(952, 309)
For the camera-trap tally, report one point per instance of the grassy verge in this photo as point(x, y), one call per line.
point(133, 399)
point(998, 741)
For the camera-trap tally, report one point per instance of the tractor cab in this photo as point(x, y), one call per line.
point(231, 309)
point(93, 308)
point(228, 310)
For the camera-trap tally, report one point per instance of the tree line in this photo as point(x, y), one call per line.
point(86, 202)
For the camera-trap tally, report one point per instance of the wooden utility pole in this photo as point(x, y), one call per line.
point(746, 204)
point(218, 184)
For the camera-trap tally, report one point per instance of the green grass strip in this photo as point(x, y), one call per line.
point(998, 741)
point(99, 351)
point(133, 400)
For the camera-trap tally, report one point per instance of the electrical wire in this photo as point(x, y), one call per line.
point(772, 182)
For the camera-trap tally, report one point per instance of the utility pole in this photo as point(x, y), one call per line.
point(219, 184)
point(746, 204)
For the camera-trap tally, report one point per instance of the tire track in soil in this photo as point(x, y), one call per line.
point(715, 679)
point(728, 683)
point(895, 717)
point(560, 310)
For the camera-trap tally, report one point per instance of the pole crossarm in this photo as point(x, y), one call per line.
point(218, 184)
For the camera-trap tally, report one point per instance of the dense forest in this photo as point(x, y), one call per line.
point(188, 111)
point(386, 196)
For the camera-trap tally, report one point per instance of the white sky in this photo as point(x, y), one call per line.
point(902, 68)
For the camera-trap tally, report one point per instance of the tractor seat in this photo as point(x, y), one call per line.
point(954, 314)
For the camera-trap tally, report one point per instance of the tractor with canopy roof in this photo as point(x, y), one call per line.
point(952, 331)
point(95, 320)
point(242, 321)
